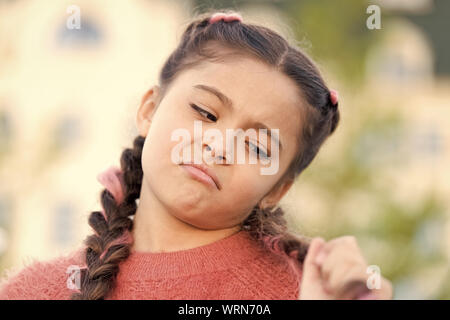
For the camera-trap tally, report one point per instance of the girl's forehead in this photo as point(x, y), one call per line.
point(246, 82)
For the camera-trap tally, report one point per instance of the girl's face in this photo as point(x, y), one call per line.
point(259, 94)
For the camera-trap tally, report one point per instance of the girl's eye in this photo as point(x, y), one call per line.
point(203, 112)
point(258, 150)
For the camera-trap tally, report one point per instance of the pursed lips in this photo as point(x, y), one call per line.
point(203, 173)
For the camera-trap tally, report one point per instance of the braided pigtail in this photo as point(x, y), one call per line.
point(110, 244)
point(269, 227)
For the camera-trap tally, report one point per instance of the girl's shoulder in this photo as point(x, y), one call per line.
point(41, 280)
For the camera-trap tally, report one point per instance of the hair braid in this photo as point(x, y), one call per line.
point(269, 227)
point(112, 239)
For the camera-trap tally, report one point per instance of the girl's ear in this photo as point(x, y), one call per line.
point(275, 195)
point(146, 109)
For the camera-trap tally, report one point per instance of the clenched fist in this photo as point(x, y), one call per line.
point(337, 270)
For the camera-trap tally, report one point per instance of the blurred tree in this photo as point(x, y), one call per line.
point(435, 24)
point(332, 31)
point(407, 237)
point(336, 31)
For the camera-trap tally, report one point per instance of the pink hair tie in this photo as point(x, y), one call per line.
point(112, 180)
point(333, 96)
point(226, 17)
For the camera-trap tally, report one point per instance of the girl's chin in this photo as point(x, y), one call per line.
point(195, 221)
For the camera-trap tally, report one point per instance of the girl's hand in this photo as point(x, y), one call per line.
point(337, 270)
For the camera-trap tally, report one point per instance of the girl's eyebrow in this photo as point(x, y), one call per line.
point(222, 97)
point(259, 125)
point(229, 103)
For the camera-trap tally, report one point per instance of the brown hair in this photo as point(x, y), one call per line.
point(202, 40)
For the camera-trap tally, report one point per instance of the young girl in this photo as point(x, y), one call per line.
point(212, 231)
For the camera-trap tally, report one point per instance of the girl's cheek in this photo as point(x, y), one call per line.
point(248, 185)
point(251, 176)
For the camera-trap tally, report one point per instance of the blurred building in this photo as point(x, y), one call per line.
point(68, 100)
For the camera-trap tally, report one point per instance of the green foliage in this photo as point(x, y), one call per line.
point(408, 235)
point(336, 31)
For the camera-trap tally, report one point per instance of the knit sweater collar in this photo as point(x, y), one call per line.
point(219, 255)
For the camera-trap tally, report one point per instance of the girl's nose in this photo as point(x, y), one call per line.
point(215, 152)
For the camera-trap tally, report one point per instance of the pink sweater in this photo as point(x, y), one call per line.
point(235, 267)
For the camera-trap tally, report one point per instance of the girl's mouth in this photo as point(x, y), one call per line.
point(201, 173)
